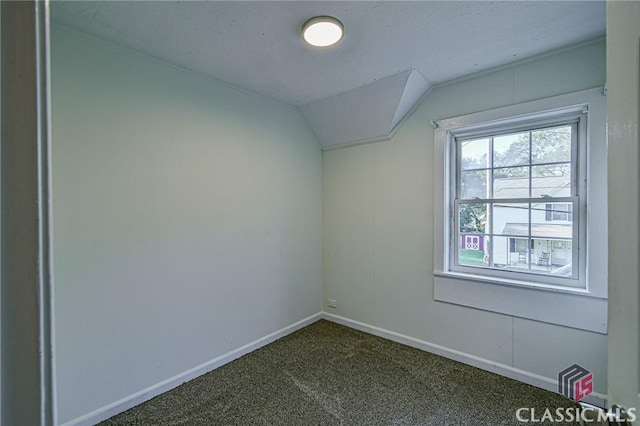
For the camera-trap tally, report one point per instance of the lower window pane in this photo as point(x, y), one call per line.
point(518, 237)
point(519, 254)
point(551, 213)
point(500, 250)
point(472, 218)
point(511, 219)
point(471, 250)
point(552, 256)
point(552, 221)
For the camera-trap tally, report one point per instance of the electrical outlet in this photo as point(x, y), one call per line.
point(333, 303)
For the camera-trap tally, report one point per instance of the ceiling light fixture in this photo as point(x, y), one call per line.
point(322, 31)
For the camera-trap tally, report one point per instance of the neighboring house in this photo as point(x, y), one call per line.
point(556, 243)
point(549, 243)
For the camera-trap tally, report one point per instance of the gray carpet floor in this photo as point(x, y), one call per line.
point(327, 374)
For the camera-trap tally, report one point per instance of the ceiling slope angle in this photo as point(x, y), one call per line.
point(367, 113)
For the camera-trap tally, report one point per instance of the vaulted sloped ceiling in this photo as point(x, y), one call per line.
point(380, 105)
point(360, 89)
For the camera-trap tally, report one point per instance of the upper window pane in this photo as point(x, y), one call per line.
point(474, 154)
point(511, 150)
point(551, 181)
point(473, 184)
point(511, 182)
point(551, 145)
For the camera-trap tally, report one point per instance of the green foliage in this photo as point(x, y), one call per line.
point(473, 218)
point(547, 146)
point(515, 155)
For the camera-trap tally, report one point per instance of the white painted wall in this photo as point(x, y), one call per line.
point(187, 220)
point(379, 227)
point(623, 107)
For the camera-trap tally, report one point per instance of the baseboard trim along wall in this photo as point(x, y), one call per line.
point(175, 381)
point(527, 377)
point(152, 391)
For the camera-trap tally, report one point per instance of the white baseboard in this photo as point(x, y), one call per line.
point(130, 401)
point(494, 367)
point(172, 382)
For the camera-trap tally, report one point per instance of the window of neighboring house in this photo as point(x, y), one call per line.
point(509, 181)
point(511, 210)
point(558, 213)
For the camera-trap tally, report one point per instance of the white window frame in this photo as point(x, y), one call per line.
point(575, 115)
point(578, 302)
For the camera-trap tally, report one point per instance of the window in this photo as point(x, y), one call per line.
point(557, 213)
point(509, 181)
point(513, 187)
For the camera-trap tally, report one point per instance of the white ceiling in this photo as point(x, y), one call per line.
point(256, 45)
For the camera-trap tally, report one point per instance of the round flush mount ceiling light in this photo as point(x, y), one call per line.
point(322, 31)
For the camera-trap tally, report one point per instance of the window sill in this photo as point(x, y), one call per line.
point(518, 283)
point(565, 306)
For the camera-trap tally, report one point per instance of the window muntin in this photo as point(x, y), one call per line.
point(516, 199)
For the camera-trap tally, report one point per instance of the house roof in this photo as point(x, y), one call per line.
point(551, 186)
point(539, 230)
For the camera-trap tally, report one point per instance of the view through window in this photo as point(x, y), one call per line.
point(516, 200)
